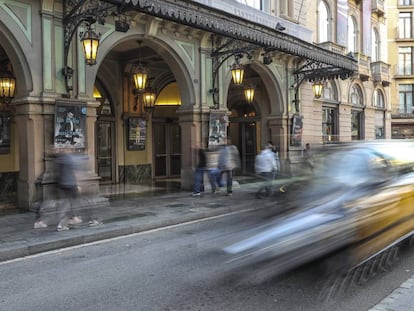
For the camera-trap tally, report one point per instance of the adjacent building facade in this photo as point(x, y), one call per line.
point(188, 50)
point(401, 45)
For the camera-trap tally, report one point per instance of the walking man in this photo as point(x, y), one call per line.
point(265, 167)
point(229, 160)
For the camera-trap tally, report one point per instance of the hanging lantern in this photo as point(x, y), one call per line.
point(249, 94)
point(237, 72)
point(140, 77)
point(90, 43)
point(148, 98)
point(7, 85)
point(317, 87)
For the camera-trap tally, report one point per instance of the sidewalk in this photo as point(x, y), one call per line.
point(126, 214)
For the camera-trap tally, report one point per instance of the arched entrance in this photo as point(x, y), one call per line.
point(243, 133)
point(167, 133)
point(105, 137)
point(156, 152)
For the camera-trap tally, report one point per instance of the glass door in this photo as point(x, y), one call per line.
point(167, 149)
point(104, 150)
point(243, 135)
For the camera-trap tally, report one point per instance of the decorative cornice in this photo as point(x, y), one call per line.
point(212, 20)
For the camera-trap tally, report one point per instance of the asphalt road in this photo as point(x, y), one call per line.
point(173, 269)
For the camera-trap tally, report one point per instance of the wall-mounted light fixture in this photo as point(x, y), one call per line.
point(249, 94)
point(7, 83)
point(315, 73)
point(224, 48)
point(79, 12)
point(317, 88)
point(90, 43)
point(237, 72)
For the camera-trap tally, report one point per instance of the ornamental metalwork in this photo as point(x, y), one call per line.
point(208, 19)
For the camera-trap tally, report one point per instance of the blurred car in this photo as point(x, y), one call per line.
point(359, 202)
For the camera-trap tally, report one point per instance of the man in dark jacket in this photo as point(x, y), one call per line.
point(199, 172)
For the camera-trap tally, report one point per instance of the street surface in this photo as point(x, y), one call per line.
point(173, 269)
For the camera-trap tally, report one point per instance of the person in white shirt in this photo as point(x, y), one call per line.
point(265, 167)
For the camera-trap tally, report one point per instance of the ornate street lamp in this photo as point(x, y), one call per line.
point(7, 84)
point(317, 88)
point(237, 72)
point(140, 76)
point(148, 99)
point(90, 43)
point(249, 94)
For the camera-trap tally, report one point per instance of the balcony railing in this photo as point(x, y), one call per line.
point(378, 7)
point(380, 72)
point(332, 46)
point(397, 113)
point(400, 36)
point(363, 65)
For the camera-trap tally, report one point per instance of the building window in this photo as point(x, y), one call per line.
point(263, 5)
point(406, 98)
point(379, 124)
point(379, 99)
point(405, 66)
point(352, 34)
point(375, 45)
point(404, 2)
point(356, 124)
point(329, 124)
point(355, 96)
point(330, 92)
point(323, 22)
point(405, 25)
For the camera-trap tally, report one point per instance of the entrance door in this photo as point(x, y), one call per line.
point(104, 150)
point(243, 135)
point(167, 149)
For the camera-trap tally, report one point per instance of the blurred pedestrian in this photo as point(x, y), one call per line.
point(307, 153)
point(199, 172)
point(67, 182)
point(273, 148)
point(214, 173)
point(265, 167)
point(229, 160)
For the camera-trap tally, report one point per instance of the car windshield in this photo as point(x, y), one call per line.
point(353, 167)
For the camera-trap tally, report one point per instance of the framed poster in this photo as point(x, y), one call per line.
point(137, 133)
point(297, 125)
point(4, 133)
point(217, 128)
point(70, 126)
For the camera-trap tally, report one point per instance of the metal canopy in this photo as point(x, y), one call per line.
point(217, 22)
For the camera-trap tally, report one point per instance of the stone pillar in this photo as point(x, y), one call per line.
point(194, 129)
point(30, 128)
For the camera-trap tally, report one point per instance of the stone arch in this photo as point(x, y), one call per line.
point(382, 93)
point(168, 51)
point(360, 89)
point(15, 52)
point(271, 80)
